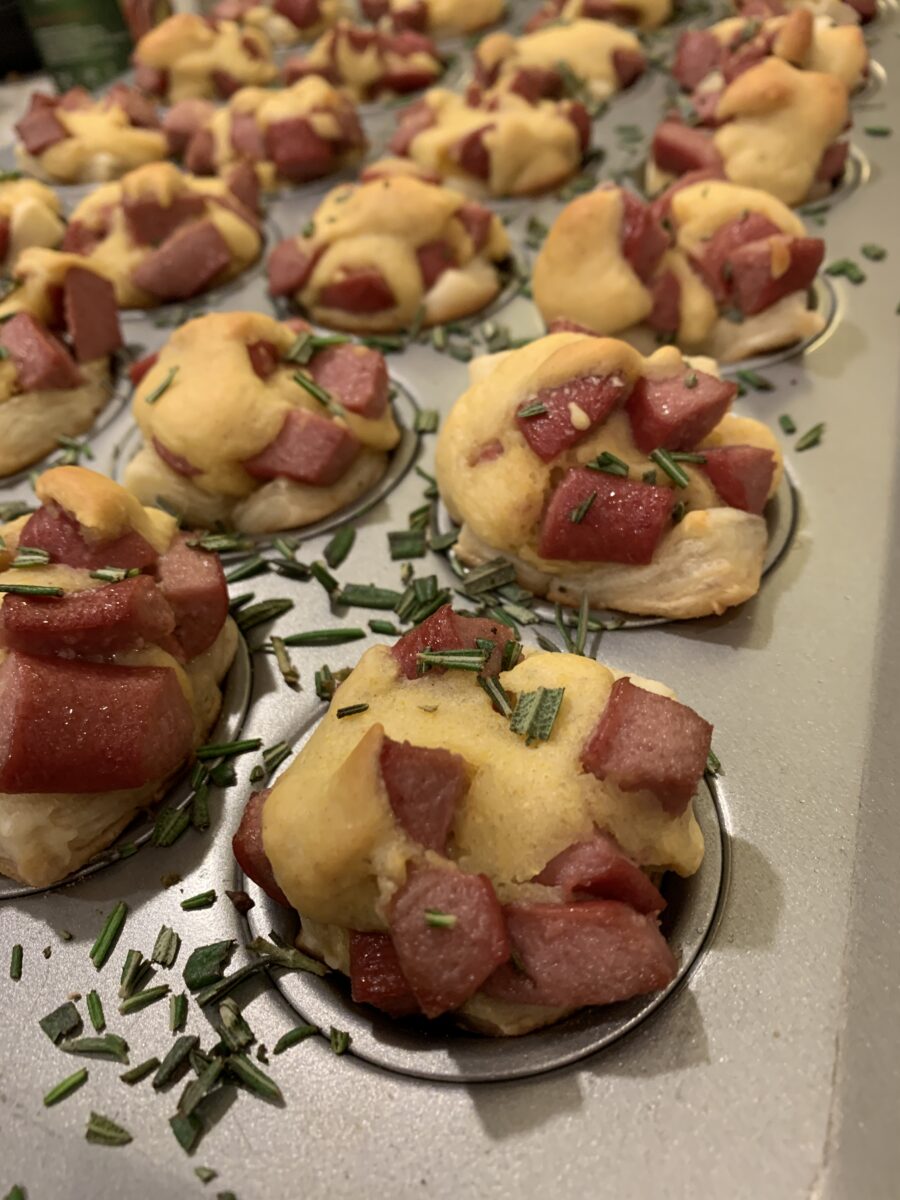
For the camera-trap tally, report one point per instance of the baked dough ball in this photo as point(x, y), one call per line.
point(450, 864)
point(848, 13)
point(443, 18)
point(523, 465)
point(603, 57)
point(161, 235)
point(707, 59)
point(720, 269)
point(187, 56)
point(501, 145)
point(29, 216)
point(775, 128)
point(284, 22)
point(383, 254)
point(370, 63)
point(645, 14)
point(289, 135)
point(58, 328)
point(259, 452)
point(75, 138)
point(108, 686)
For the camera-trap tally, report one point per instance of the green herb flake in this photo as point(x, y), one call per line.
point(580, 511)
point(289, 673)
point(300, 1033)
point(157, 393)
point(406, 543)
point(178, 1011)
point(255, 565)
point(877, 131)
point(205, 1174)
point(187, 1130)
point(535, 409)
point(228, 749)
point(388, 628)
point(609, 463)
point(752, 379)
point(141, 1071)
point(455, 660)
point(143, 999)
point(489, 576)
point(200, 1087)
point(95, 1011)
point(244, 1071)
point(285, 956)
point(498, 696)
point(713, 765)
point(535, 714)
point(787, 423)
point(135, 970)
point(206, 965)
point(105, 1132)
point(325, 637)
point(351, 710)
point(201, 900)
point(65, 1087)
point(811, 438)
point(339, 1040)
point(177, 1058)
point(339, 546)
point(848, 269)
point(200, 808)
point(262, 613)
point(170, 824)
point(15, 963)
point(110, 1045)
point(367, 595)
point(873, 252)
point(665, 462)
point(236, 1033)
point(63, 1022)
point(426, 420)
point(436, 919)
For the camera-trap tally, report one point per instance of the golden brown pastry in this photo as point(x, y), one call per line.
point(370, 63)
point(109, 678)
point(187, 56)
point(383, 254)
point(284, 22)
point(560, 460)
point(29, 216)
point(845, 12)
point(75, 138)
point(645, 14)
point(161, 235)
point(775, 128)
point(720, 269)
point(260, 451)
point(500, 145)
point(452, 854)
point(442, 18)
point(59, 327)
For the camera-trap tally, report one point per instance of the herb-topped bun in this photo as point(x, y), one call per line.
point(297, 426)
point(392, 251)
point(471, 833)
point(284, 22)
point(189, 56)
point(600, 473)
point(370, 63)
point(645, 14)
point(112, 644)
point(720, 269)
point(443, 18)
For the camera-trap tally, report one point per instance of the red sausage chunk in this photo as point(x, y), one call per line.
point(91, 314)
point(600, 868)
point(699, 53)
point(446, 630)
point(150, 222)
point(40, 128)
point(308, 449)
point(643, 239)
point(185, 264)
point(678, 412)
point(40, 359)
point(624, 521)
point(742, 475)
point(376, 977)
point(356, 376)
point(290, 267)
point(193, 583)
point(247, 845)
point(714, 264)
point(434, 259)
point(755, 287)
point(264, 358)
point(298, 152)
point(364, 290)
point(679, 148)
point(549, 433)
point(424, 787)
point(53, 530)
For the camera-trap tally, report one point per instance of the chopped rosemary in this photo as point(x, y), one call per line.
point(406, 543)
point(140, 1000)
point(691, 456)
point(66, 1087)
point(261, 613)
point(712, 763)
point(15, 962)
point(178, 1010)
point(246, 1072)
point(109, 935)
point(581, 629)
point(879, 131)
point(325, 637)
point(534, 409)
point(201, 900)
point(228, 749)
point(440, 920)
point(291, 569)
point(205, 1174)
point(236, 1033)
point(787, 424)
point(221, 543)
point(285, 956)
point(443, 541)
point(273, 756)
point(580, 511)
point(255, 565)
point(170, 824)
point(811, 438)
point(535, 713)
point(30, 556)
point(351, 710)
point(161, 387)
point(30, 589)
point(200, 808)
point(873, 252)
point(141, 1071)
point(187, 1130)
point(63, 1022)
point(113, 574)
point(326, 681)
point(110, 1045)
point(289, 672)
point(322, 575)
point(206, 965)
point(308, 343)
point(457, 660)
point(426, 420)
point(847, 268)
point(198, 1088)
point(496, 693)
point(134, 972)
point(609, 463)
point(339, 1040)
point(216, 991)
point(339, 546)
point(294, 1036)
point(690, 380)
point(366, 595)
point(664, 460)
point(385, 627)
point(176, 1058)
point(319, 393)
point(512, 651)
point(535, 232)
point(488, 576)
point(104, 1132)
point(95, 1011)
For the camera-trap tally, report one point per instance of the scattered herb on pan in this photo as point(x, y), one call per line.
point(426, 420)
point(753, 379)
point(255, 565)
point(873, 252)
point(141, 1071)
point(877, 131)
point(201, 900)
point(261, 613)
point(228, 749)
point(95, 1011)
point(105, 1132)
point(322, 575)
point(339, 1040)
point(367, 595)
point(713, 765)
point(135, 971)
point(339, 546)
point(325, 637)
point(109, 935)
point(406, 543)
point(178, 1010)
point(848, 269)
point(170, 824)
point(15, 962)
point(811, 438)
point(244, 1071)
point(289, 672)
point(143, 999)
point(109, 1045)
point(65, 1087)
point(300, 1033)
point(63, 1022)
point(787, 423)
point(206, 964)
point(175, 1060)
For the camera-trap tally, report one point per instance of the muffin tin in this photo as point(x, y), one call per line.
point(764, 1070)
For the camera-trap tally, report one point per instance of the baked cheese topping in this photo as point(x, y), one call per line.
point(32, 214)
point(363, 63)
point(586, 47)
point(102, 144)
point(191, 51)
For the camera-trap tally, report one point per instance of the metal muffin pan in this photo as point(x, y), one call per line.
point(770, 1071)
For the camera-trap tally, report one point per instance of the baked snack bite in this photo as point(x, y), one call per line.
point(284, 22)
point(600, 57)
point(289, 135)
point(722, 270)
point(842, 11)
point(498, 144)
point(645, 14)
point(383, 254)
point(161, 235)
point(294, 430)
point(597, 472)
point(109, 679)
point(370, 63)
point(774, 127)
point(452, 858)
point(707, 59)
point(30, 215)
point(442, 18)
point(50, 387)
point(77, 138)
point(187, 56)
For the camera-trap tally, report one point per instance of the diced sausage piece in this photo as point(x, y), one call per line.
point(660, 207)
point(580, 118)
point(629, 65)
point(139, 369)
point(706, 105)
point(4, 237)
point(535, 83)
point(601, 868)
point(40, 129)
point(623, 523)
point(375, 975)
point(40, 359)
point(140, 111)
point(573, 410)
point(247, 845)
point(755, 286)
point(308, 449)
point(867, 10)
point(364, 290)
point(79, 239)
point(476, 220)
point(643, 239)
point(179, 464)
point(89, 727)
point(410, 123)
point(185, 264)
point(744, 57)
point(91, 314)
point(246, 136)
point(243, 183)
point(472, 154)
point(742, 475)
point(446, 630)
point(150, 222)
point(290, 266)
point(119, 616)
point(193, 583)
point(445, 965)
point(678, 412)
point(183, 120)
point(355, 375)
point(374, 10)
point(608, 10)
point(154, 80)
point(834, 160)
point(79, 98)
point(264, 358)
point(679, 148)
point(52, 529)
point(200, 153)
point(407, 79)
point(424, 787)
point(302, 13)
point(714, 264)
point(698, 54)
point(644, 741)
point(298, 68)
point(298, 152)
point(595, 952)
point(665, 315)
point(415, 16)
point(564, 325)
point(225, 83)
point(434, 259)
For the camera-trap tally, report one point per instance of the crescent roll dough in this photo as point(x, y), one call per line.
point(186, 56)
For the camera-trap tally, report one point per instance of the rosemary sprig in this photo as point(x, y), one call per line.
point(109, 935)
point(536, 713)
point(324, 637)
point(339, 546)
point(664, 460)
point(161, 388)
point(105, 1132)
point(201, 900)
